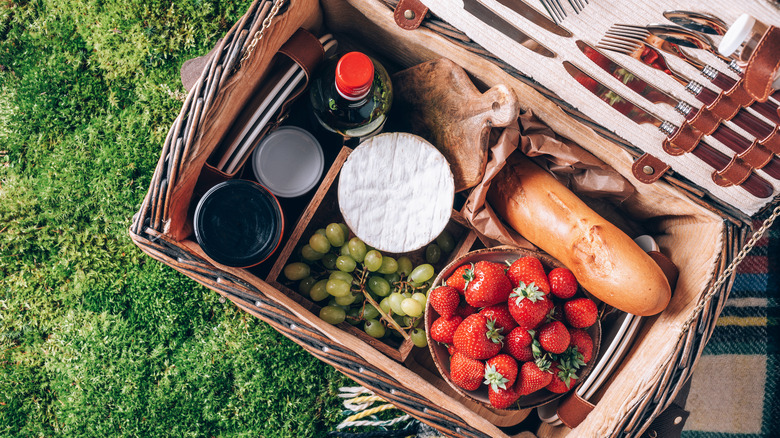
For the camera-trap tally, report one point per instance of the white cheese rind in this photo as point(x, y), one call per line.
point(396, 192)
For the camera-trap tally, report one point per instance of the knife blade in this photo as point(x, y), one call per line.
point(732, 139)
point(487, 16)
point(754, 184)
point(535, 17)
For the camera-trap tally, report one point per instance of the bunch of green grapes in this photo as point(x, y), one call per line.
point(360, 285)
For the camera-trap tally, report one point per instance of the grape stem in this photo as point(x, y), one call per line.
point(385, 316)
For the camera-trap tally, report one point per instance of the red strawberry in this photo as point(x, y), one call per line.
point(584, 343)
point(581, 312)
point(556, 314)
point(554, 337)
point(532, 378)
point(528, 305)
point(528, 270)
point(466, 372)
point(562, 379)
point(490, 286)
point(443, 329)
point(451, 349)
point(518, 344)
point(444, 300)
point(461, 277)
point(500, 313)
point(465, 309)
point(503, 398)
point(500, 371)
point(478, 338)
point(562, 283)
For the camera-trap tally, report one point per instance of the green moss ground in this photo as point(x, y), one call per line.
point(97, 339)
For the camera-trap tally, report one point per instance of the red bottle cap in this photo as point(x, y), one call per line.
point(354, 75)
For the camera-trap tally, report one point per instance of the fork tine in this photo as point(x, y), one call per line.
point(614, 48)
point(559, 7)
point(554, 13)
point(578, 5)
point(623, 42)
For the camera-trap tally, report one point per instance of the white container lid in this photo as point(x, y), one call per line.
point(736, 34)
point(288, 161)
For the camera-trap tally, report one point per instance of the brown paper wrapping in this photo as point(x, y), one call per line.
point(572, 165)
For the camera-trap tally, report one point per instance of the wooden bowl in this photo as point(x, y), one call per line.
point(442, 358)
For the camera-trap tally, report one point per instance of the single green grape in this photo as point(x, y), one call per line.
point(329, 261)
point(418, 337)
point(422, 273)
point(318, 291)
point(421, 298)
point(392, 278)
point(345, 264)
point(395, 303)
point(304, 287)
point(400, 320)
point(332, 314)
point(319, 243)
point(346, 300)
point(353, 316)
point(433, 253)
point(412, 307)
point(385, 305)
point(337, 288)
point(335, 234)
point(320, 231)
point(407, 294)
point(370, 312)
point(379, 286)
point(404, 266)
point(374, 328)
point(297, 271)
point(332, 302)
point(308, 253)
point(357, 249)
point(345, 229)
point(446, 242)
point(373, 260)
point(340, 275)
point(389, 265)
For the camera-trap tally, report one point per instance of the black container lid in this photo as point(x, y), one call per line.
point(238, 223)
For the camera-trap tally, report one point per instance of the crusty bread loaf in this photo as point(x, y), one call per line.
point(605, 261)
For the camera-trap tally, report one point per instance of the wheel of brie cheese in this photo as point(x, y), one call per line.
point(395, 192)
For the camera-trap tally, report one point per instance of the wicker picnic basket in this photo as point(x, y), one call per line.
point(703, 237)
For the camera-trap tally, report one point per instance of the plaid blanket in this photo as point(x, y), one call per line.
point(734, 387)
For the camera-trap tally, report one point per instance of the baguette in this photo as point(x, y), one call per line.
point(605, 261)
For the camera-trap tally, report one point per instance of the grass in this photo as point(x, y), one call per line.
point(97, 339)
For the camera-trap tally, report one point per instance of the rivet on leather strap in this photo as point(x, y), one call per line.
point(649, 169)
point(409, 14)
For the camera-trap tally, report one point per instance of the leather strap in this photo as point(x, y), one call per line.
point(763, 65)
point(305, 50)
point(735, 173)
point(705, 121)
point(648, 169)
point(685, 139)
point(725, 106)
point(573, 409)
point(667, 266)
point(670, 422)
point(772, 141)
point(756, 156)
point(409, 14)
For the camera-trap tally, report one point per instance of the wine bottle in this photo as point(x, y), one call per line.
point(352, 96)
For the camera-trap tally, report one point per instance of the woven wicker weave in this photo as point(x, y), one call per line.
point(255, 296)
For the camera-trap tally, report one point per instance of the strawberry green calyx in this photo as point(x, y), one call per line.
point(494, 333)
point(543, 362)
point(566, 375)
point(529, 291)
point(494, 378)
point(571, 359)
point(468, 275)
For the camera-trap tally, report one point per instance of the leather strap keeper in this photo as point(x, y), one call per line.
point(305, 50)
point(725, 106)
point(409, 14)
point(763, 65)
point(735, 173)
point(772, 141)
point(705, 121)
point(684, 139)
point(648, 169)
point(573, 409)
point(739, 95)
point(756, 156)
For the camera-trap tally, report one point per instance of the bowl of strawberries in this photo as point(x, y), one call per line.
point(511, 328)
